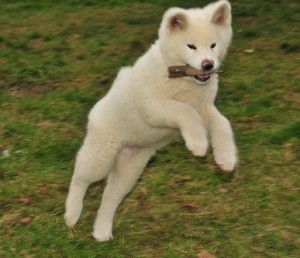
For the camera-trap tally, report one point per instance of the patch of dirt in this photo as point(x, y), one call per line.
point(27, 90)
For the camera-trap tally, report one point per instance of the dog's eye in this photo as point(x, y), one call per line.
point(192, 46)
point(212, 45)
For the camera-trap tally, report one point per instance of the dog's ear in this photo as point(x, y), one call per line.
point(222, 13)
point(177, 22)
point(176, 19)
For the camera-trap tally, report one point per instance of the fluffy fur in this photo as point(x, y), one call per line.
point(144, 110)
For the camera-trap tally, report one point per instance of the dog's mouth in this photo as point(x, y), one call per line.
point(199, 76)
point(202, 78)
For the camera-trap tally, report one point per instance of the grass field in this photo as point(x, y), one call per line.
point(57, 58)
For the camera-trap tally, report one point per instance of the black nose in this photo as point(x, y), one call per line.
point(207, 64)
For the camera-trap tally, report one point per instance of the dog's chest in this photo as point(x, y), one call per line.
point(195, 95)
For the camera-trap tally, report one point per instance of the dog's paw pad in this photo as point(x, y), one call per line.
point(197, 149)
point(102, 237)
point(227, 167)
point(226, 162)
point(70, 220)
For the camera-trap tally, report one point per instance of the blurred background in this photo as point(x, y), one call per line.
point(57, 58)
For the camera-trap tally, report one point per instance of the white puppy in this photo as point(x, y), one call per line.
point(144, 110)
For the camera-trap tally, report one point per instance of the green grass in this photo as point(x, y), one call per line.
point(57, 58)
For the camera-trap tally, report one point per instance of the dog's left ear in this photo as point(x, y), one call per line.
point(222, 13)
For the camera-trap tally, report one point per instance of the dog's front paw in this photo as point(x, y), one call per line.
point(198, 148)
point(102, 236)
point(226, 161)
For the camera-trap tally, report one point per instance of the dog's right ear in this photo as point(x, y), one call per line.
point(176, 19)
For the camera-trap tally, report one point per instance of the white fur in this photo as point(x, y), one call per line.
point(144, 110)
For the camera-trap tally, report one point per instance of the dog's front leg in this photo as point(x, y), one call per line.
point(179, 115)
point(222, 140)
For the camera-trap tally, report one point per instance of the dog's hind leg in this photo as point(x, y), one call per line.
point(93, 162)
point(130, 164)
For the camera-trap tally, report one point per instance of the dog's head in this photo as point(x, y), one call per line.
point(197, 37)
